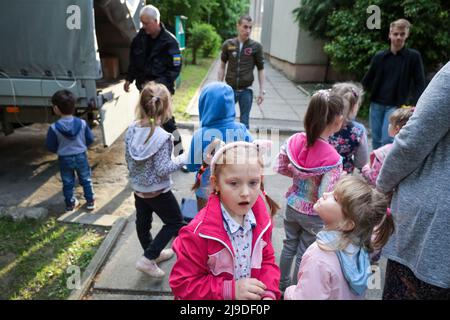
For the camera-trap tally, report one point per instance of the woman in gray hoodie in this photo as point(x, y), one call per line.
point(417, 171)
point(148, 156)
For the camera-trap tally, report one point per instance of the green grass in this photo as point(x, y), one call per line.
point(191, 78)
point(35, 255)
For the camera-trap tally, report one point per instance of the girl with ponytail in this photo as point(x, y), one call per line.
point(216, 109)
point(148, 155)
point(337, 265)
point(315, 167)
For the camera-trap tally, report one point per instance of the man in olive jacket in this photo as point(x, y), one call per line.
point(242, 55)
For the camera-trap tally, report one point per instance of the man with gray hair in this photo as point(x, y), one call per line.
point(155, 56)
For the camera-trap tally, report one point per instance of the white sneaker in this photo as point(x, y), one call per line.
point(165, 254)
point(150, 267)
point(74, 206)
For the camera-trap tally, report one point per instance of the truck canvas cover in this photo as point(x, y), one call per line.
point(31, 30)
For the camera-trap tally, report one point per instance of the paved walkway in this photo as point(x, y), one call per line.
point(284, 104)
point(283, 109)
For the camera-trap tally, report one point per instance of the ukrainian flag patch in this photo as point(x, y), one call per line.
point(177, 60)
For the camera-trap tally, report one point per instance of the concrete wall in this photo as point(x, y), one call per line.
point(255, 11)
point(285, 32)
point(289, 48)
point(266, 24)
point(310, 50)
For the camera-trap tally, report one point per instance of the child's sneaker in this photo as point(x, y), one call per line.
point(90, 205)
point(149, 267)
point(166, 254)
point(75, 205)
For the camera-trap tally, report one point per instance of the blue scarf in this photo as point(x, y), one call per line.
point(354, 261)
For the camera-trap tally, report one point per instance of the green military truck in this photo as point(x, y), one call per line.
point(79, 45)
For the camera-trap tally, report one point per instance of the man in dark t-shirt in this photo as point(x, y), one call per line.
point(391, 75)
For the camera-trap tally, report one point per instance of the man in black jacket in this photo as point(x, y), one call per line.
point(155, 56)
point(389, 79)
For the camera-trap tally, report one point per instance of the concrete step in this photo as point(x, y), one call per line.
point(82, 217)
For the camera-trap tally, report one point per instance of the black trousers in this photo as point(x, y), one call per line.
point(166, 207)
point(171, 127)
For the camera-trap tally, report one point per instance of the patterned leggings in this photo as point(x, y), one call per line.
point(402, 284)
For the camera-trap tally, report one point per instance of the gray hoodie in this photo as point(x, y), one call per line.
point(417, 169)
point(150, 164)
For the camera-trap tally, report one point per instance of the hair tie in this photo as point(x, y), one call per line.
point(388, 212)
point(325, 93)
point(200, 172)
point(355, 94)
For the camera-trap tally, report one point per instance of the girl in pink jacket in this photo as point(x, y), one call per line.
point(336, 266)
point(226, 252)
point(315, 167)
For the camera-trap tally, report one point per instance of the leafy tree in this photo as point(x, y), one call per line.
point(225, 16)
point(312, 15)
point(203, 36)
point(222, 14)
point(193, 9)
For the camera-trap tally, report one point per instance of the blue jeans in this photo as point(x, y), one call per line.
point(78, 163)
point(245, 98)
point(379, 124)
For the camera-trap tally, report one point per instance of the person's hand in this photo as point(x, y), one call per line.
point(249, 289)
point(126, 86)
point(260, 99)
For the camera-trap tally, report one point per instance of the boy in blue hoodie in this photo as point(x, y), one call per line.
point(69, 137)
point(217, 120)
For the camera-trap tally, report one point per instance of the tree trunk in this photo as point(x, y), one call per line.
point(194, 56)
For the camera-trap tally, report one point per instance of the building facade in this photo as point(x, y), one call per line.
point(286, 46)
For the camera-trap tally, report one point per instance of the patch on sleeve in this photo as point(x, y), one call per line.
point(176, 60)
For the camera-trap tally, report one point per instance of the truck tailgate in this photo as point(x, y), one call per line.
point(118, 113)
